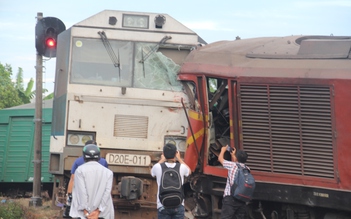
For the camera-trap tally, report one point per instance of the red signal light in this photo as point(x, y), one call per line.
point(50, 42)
point(47, 30)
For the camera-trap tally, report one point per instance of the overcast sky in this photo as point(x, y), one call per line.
point(213, 20)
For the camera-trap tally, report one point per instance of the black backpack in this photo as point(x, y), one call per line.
point(171, 192)
point(244, 184)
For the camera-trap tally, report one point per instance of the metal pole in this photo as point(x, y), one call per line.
point(36, 198)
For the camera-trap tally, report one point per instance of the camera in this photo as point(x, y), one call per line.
point(229, 149)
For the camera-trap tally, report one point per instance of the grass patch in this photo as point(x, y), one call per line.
point(20, 209)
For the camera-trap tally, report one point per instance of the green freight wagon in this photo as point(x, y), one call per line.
point(17, 130)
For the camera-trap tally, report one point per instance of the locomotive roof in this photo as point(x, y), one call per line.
point(245, 56)
point(101, 20)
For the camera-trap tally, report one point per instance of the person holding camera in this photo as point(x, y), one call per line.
point(169, 158)
point(232, 207)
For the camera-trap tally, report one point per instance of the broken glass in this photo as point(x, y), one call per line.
point(154, 70)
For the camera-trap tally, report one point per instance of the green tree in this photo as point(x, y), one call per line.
point(29, 94)
point(26, 95)
point(49, 96)
point(14, 94)
point(8, 93)
point(19, 79)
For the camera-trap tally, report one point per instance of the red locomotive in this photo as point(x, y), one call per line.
point(287, 102)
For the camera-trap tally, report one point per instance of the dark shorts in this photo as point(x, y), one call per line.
point(171, 213)
point(233, 208)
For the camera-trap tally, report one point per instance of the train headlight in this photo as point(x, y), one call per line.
point(73, 139)
point(182, 145)
point(86, 138)
point(78, 139)
point(180, 142)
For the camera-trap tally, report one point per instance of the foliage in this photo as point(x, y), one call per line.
point(212, 84)
point(28, 91)
point(14, 94)
point(28, 94)
point(19, 79)
point(11, 210)
point(8, 94)
point(20, 209)
point(50, 96)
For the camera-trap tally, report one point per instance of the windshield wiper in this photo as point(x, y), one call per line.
point(144, 57)
point(111, 53)
point(152, 50)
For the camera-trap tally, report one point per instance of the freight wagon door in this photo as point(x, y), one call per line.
point(17, 165)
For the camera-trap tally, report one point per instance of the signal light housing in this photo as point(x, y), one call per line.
point(46, 31)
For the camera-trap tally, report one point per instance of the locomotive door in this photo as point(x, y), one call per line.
point(222, 108)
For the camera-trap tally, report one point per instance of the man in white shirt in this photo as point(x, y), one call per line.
point(169, 157)
point(92, 188)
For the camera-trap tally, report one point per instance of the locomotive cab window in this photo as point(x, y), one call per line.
point(91, 63)
point(125, 64)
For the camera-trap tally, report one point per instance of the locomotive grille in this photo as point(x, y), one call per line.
point(130, 126)
point(288, 129)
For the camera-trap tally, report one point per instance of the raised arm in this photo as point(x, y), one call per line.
point(182, 161)
point(221, 154)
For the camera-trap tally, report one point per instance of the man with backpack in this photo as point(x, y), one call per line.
point(240, 184)
point(170, 178)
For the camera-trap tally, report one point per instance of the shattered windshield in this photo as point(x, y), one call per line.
point(154, 70)
point(137, 65)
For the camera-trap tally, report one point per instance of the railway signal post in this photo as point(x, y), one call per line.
point(36, 197)
point(47, 30)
